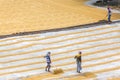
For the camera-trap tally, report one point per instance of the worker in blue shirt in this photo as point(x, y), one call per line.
point(48, 61)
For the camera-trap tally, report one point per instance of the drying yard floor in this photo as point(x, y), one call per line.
point(33, 15)
point(21, 57)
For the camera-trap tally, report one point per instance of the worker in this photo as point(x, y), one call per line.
point(78, 61)
point(48, 61)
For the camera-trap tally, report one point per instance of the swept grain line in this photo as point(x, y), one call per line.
point(52, 48)
point(19, 71)
point(46, 43)
point(63, 58)
point(38, 39)
point(65, 52)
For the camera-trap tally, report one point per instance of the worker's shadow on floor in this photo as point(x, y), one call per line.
point(102, 21)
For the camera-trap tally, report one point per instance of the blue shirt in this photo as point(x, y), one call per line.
point(48, 58)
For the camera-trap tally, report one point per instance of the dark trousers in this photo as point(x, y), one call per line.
point(48, 66)
point(78, 66)
point(109, 18)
